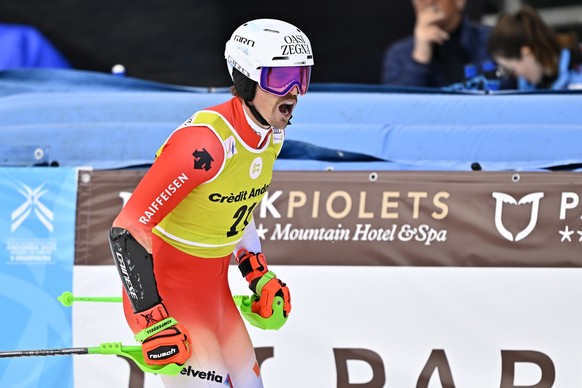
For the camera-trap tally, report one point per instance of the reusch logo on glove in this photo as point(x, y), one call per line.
point(162, 352)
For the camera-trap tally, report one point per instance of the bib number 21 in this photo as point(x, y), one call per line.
point(241, 215)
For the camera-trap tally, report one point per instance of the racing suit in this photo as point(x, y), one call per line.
point(190, 211)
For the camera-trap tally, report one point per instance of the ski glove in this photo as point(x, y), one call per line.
point(163, 339)
point(263, 283)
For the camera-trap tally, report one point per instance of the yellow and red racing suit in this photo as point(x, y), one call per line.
point(190, 210)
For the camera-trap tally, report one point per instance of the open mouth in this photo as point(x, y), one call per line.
point(286, 108)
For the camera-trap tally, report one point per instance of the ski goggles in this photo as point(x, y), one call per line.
point(280, 80)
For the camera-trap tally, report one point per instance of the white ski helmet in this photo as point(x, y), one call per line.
point(266, 43)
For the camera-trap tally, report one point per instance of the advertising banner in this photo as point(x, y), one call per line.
point(398, 279)
point(37, 235)
point(474, 219)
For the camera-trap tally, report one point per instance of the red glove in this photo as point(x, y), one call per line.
point(163, 339)
point(263, 283)
point(267, 293)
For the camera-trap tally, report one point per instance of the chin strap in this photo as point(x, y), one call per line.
point(256, 113)
point(258, 116)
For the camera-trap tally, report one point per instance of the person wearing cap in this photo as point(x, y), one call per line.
point(193, 209)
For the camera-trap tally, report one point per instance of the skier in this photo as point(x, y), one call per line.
point(173, 240)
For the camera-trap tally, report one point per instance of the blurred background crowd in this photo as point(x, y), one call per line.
point(181, 41)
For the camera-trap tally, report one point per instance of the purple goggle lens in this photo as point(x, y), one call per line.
point(280, 80)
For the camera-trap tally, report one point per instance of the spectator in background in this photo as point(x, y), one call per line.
point(527, 48)
point(23, 46)
point(444, 41)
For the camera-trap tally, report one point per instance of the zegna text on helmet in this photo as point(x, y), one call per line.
point(294, 44)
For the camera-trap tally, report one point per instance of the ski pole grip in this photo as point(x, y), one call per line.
point(107, 348)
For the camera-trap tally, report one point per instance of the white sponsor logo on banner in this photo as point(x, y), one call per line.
point(32, 204)
point(502, 198)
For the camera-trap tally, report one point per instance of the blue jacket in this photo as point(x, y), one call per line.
point(25, 46)
point(567, 78)
point(399, 68)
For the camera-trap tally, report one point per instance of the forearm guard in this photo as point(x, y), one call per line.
point(252, 266)
point(136, 269)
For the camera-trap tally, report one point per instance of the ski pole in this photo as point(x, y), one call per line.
point(243, 302)
point(133, 353)
point(67, 299)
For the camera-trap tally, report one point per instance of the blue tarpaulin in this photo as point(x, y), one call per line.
point(78, 118)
